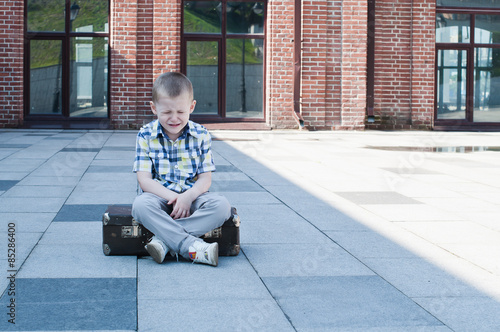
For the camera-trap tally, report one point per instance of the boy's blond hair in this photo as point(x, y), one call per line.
point(171, 85)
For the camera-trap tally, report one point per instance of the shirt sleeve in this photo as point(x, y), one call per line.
point(142, 161)
point(206, 163)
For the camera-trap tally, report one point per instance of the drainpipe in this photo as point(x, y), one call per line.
point(297, 60)
point(370, 64)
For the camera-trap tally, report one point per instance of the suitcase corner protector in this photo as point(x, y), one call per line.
point(106, 249)
point(105, 218)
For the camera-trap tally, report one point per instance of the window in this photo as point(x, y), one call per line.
point(67, 59)
point(467, 62)
point(223, 56)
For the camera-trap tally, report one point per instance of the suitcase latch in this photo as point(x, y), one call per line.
point(129, 232)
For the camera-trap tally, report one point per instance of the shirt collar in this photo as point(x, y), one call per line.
point(190, 129)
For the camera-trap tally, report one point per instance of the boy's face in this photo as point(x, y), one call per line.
point(173, 113)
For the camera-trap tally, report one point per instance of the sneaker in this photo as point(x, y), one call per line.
point(205, 253)
point(157, 249)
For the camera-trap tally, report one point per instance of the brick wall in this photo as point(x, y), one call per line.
point(145, 42)
point(404, 64)
point(11, 63)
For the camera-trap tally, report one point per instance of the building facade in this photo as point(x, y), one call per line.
point(254, 64)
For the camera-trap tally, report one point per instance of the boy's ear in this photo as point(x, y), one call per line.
point(193, 104)
point(153, 107)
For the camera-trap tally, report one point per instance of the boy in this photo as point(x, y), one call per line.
point(173, 164)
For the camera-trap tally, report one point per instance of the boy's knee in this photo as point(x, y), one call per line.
point(144, 202)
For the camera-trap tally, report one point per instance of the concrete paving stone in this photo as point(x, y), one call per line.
point(101, 177)
point(60, 170)
point(365, 244)
point(24, 244)
point(487, 219)
point(411, 212)
point(305, 260)
point(109, 169)
point(228, 177)
point(109, 185)
point(280, 231)
point(34, 152)
point(459, 232)
point(481, 314)
point(73, 304)
point(488, 196)
point(13, 175)
point(327, 217)
point(113, 162)
point(39, 191)
point(258, 199)
point(234, 278)
point(218, 315)
point(35, 222)
point(265, 213)
point(327, 303)
point(419, 277)
point(20, 164)
point(80, 149)
point(108, 154)
point(7, 184)
point(226, 168)
point(77, 261)
point(409, 170)
point(31, 204)
point(14, 146)
point(483, 255)
point(414, 189)
point(52, 181)
point(459, 204)
point(121, 139)
point(376, 197)
point(235, 186)
point(70, 233)
point(101, 197)
point(81, 212)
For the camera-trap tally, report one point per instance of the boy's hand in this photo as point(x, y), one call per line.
point(181, 206)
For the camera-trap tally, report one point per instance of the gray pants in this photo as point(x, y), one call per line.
point(208, 212)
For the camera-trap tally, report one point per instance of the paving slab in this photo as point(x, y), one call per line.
point(326, 303)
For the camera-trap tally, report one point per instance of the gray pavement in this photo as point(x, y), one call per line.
point(340, 231)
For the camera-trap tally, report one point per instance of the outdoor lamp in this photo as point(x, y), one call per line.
point(74, 9)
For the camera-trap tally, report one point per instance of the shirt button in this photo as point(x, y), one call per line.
point(176, 166)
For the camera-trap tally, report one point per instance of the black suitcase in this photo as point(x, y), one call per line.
point(123, 235)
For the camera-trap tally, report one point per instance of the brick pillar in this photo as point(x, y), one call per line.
point(279, 64)
point(11, 63)
point(423, 64)
point(353, 65)
point(123, 64)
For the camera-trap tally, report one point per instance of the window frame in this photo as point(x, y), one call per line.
point(64, 119)
point(470, 47)
point(221, 38)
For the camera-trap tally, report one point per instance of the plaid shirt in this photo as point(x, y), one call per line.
point(174, 164)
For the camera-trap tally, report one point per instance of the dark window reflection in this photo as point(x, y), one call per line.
point(45, 77)
point(202, 16)
point(46, 15)
point(245, 17)
point(203, 71)
point(244, 78)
